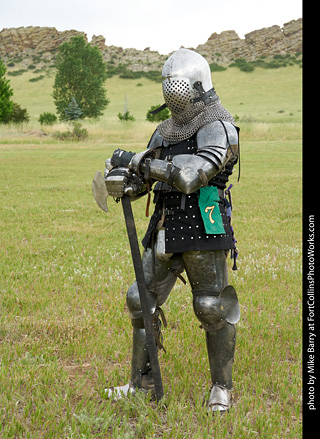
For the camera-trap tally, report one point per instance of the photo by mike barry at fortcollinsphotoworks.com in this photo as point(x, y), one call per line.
point(310, 324)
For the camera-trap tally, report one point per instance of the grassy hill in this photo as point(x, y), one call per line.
point(267, 95)
point(259, 100)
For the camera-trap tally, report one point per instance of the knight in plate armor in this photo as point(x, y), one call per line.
point(189, 160)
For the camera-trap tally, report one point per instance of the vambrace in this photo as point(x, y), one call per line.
point(217, 144)
point(185, 172)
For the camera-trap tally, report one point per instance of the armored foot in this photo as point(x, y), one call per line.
point(147, 386)
point(116, 393)
point(219, 400)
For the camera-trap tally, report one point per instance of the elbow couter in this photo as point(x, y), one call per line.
point(189, 180)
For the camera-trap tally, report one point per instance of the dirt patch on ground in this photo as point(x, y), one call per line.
point(83, 377)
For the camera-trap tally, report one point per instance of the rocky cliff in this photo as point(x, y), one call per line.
point(222, 48)
point(263, 42)
point(41, 39)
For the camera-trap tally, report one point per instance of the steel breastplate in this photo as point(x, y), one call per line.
point(189, 146)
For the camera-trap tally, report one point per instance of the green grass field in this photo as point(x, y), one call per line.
point(66, 266)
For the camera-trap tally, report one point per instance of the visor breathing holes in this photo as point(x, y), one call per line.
point(176, 94)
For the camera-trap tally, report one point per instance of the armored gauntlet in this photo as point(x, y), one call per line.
point(122, 181)
point(121, 158)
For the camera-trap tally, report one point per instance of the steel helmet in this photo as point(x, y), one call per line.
point(187, 79)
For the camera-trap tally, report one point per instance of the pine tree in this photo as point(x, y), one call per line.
point(73, 111)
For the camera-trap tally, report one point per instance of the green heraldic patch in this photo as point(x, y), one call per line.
point(210, 211)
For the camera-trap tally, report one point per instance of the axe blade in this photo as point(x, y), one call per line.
point(99, 190)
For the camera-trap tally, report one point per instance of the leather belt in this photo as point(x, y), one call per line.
point(165, 211)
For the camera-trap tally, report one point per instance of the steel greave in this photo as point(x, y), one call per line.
point(140, 357)
point(221, 347)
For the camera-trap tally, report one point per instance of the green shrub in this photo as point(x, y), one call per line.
point(47, 118)
point(17, 72)
point(17, 59)
point(78, 133)
point(129, 74)
point(243, 65)
point(18, 115)
point(215, 67)
point(126, 116)
point(153, 75)
point(159, 117)
point(37, 78)
point(276, 62)
point(125, 73)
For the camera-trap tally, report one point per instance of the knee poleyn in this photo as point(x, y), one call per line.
point(134, 304)
point(213, 311)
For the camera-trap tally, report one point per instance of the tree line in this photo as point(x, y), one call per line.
point(78, 90)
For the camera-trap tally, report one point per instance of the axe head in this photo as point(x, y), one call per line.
point(99, 190)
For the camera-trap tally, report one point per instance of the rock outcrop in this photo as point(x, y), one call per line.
point(40, 39)
point(221, 48)
point(267, 42)
point(98, 41)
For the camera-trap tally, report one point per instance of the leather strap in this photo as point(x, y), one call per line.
point(157, 110)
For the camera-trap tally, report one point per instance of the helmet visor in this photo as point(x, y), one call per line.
point(177, 94)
